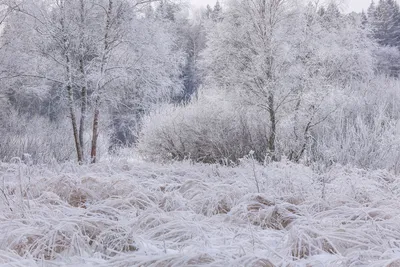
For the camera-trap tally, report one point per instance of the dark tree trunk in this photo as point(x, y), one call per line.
point(83, 115)
point(74, 124)
point(93, 153)
point(82, 122)
point(272, 134)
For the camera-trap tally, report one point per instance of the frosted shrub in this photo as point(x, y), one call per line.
point(36, 138)
point(365, 131)
point(209, 130)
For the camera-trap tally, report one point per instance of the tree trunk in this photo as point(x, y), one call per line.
point(93, 153)
point(74, 124)
point(272, 134)
point(78, 146)
point(72, 111)
point(83, 77)
point(69, 86)
point(95, 129)
point(83, 118)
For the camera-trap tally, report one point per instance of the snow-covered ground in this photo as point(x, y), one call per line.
point(126, 212)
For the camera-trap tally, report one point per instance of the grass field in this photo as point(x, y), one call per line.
point(125, 212)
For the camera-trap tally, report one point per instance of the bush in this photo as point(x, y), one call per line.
point(365, 130)
point(35, 139)
point(209, 130)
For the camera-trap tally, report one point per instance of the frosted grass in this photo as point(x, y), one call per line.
point(125, 212)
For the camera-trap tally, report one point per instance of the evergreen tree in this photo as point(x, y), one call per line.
point(394, 23)
point(321, 11)
point(364, 19)
point(209, 12)
point(371, 11)
point(167, 10)
point(331, 16)
point(216, 14)
point(384, 20)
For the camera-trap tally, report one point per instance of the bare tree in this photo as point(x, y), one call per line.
point(67, 35)
point(271, 53)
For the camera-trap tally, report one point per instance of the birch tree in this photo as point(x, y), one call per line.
point(120, 60)
point(271, 54)
point(249, 51)
point(88, 49)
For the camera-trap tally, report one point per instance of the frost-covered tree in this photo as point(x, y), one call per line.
point(288, 61)
point(216, 14)
point(97, 53)
point(383, 22)
point(155, 60)
point(384, 19)
point(246, 51)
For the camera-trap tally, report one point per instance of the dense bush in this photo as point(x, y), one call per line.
point(365, 130)
point(209, 130)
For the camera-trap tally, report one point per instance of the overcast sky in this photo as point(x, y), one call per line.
point(352, 5)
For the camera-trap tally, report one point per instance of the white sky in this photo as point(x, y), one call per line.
point(352, 5)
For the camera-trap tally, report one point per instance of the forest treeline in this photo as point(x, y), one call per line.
point(265, 79)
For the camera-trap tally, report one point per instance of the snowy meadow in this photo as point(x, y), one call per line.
point(125, 212)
